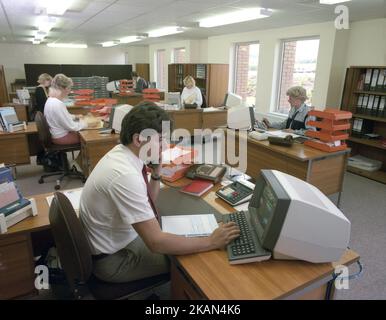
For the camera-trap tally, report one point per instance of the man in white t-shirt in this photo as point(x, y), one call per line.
point(117, 208)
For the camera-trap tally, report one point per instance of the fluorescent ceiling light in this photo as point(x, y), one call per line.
point(35, 41)
point(67, 45)
point(165, 31)
point(129, 39)
point(40, 35)
point(235, 17)
point(332, 1)
point(56, 7)
point(46, 23)
point(109, 44)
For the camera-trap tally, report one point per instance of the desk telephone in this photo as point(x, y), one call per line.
point(236, 193)
point(206, 171)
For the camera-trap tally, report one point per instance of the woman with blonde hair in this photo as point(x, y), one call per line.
point(63, 127)
point(298, 114)
point(191, 94)
point(41, 92)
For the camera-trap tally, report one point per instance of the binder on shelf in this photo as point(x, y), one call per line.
point(367, 84)
point(381, 80)
point(374, 80)
point(359, 104)
point(381, 108)
point(365, 103)
point(374, 110)
point(370, 105)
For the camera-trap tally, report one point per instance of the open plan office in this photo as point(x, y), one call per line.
point(192, 150)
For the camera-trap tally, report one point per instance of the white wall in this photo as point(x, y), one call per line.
point(367, 43)
point(136, 54)
point(14, 56)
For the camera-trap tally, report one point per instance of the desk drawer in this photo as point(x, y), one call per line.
point(181, 287)
point(14, 149)
point(16, 267)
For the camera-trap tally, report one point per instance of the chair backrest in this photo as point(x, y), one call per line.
point(204, 105)
point(43, 130)
point(71, 243)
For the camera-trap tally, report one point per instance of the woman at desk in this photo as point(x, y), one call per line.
point(191, 94)
point(63, 127)
point(41, 92)
point(298, 115)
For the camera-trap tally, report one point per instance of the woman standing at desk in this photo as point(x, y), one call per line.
point(41, 92)
point(297, 116)
point(63, 128)
point(191, 94)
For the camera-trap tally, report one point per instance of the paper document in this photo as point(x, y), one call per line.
point(170, 155)
point(242, 207)
point(196, 225)
point(72, 195)
point(212, 109)
point(281, 134)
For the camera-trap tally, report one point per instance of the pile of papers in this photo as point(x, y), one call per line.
point(364, 163)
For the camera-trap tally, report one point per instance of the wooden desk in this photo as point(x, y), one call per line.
point(322, 169)
point(94, 146)
point(134, 99)
point(193, 276)
point(17, 147)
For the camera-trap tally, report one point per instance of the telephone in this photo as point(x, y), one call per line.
point(207, 172)
point(236, 193)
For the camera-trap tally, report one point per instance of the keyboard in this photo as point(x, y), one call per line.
point(246, 248)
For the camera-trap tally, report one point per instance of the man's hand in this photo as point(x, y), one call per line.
point(224, 234)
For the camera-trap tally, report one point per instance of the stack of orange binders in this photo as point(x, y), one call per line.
point(83, 97)
point(126, 87)
point(333, 125)
point(151, 95)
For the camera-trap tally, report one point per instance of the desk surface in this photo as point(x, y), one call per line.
point(297, 151)
point(31, 129)
point(93, 135)
point(272, 279)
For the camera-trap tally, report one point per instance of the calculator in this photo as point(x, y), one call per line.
point(237, 192)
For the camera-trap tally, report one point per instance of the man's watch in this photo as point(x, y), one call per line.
point(156, 178)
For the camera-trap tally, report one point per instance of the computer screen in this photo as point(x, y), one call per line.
point(173, 98)
point(295, 220)
point(232, 100)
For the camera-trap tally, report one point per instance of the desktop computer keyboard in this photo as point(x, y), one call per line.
point(245, 248)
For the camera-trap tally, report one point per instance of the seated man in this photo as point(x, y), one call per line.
point(297, 116)
point(140, 83)
point(117, 207)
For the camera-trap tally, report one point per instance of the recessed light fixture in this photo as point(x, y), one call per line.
point(67, 45)
point(332, 1)
point(45, 23)
point(165, 31)
point(129, 39)
point(235, 17)
point(56, 7)
point(109, 44)
point(35, 41)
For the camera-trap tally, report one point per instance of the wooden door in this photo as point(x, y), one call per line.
point(217, 86)
point(143, 70)
point(3, 87)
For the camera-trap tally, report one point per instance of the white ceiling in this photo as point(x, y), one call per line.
point(93, 22)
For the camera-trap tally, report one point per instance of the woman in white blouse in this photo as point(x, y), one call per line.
point(63, 127)
point(191, 94)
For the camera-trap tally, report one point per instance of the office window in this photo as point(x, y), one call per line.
point(298, 68)
point(246, 62)
point(161, 69)
point(178, 55)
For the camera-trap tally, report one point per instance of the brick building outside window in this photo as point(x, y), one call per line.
point(298, 68)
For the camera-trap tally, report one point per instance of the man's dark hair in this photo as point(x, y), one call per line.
point(134, 74)
point(145, 115)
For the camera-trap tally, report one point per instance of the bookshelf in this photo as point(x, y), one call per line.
point(212, 79)
point(364, 95)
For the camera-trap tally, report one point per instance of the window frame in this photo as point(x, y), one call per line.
point(280, 71)
point(174, 55)
point(158, 65)
point(235, 62)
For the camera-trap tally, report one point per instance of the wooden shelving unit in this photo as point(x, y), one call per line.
point(375, 123)
point(212, 79)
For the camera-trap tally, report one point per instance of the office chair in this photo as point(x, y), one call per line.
point(49, 147)
point(75, 257)
point(204, 105)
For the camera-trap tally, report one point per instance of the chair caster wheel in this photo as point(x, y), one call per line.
point(41, 181)
point(57, 187)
